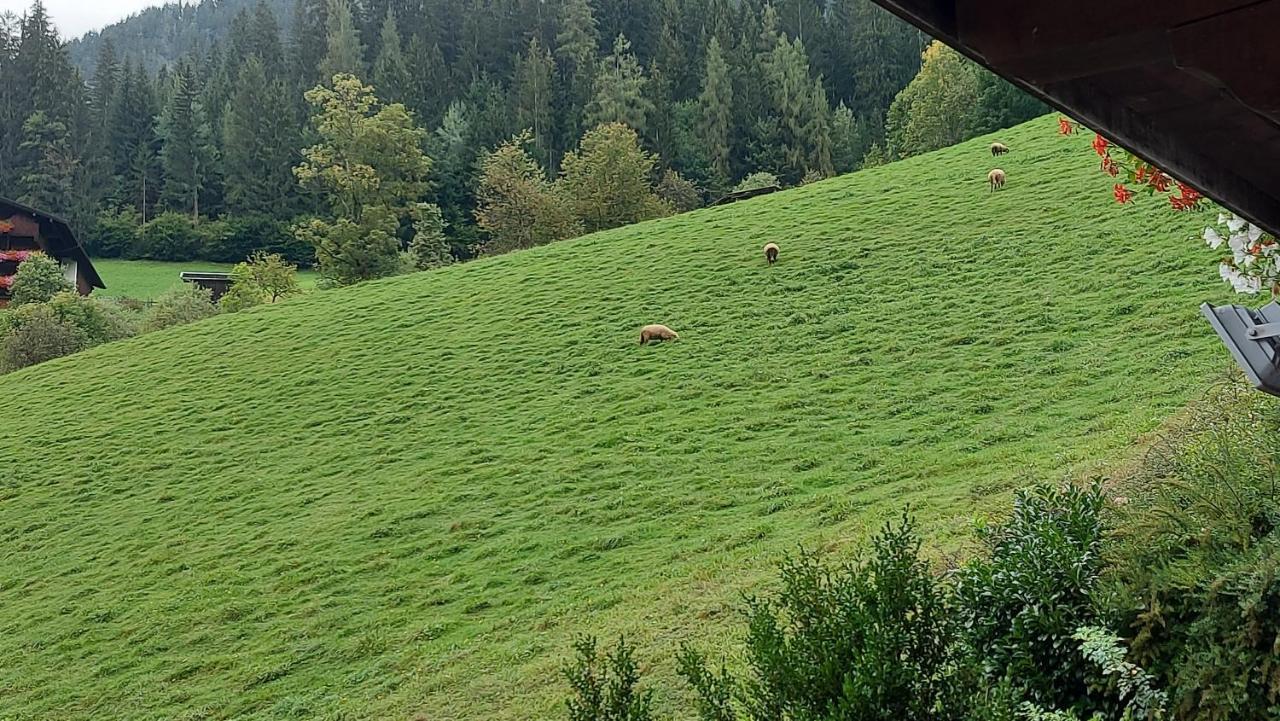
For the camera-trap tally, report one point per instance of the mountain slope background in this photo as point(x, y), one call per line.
point(408, 496)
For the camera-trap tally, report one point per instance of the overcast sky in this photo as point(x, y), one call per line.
point(77, 17)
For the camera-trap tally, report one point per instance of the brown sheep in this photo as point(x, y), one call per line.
point(999, 148)
point(996, 178)
point(771, 252)
point(656, 332)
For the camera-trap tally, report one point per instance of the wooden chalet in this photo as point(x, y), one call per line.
point(24, 229)
point(1190, 85)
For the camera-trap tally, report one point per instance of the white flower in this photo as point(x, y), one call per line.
point(1226, 271)
point(1212, 238)
point(1254, 232)
point(1222, 218)
point(1236, 223)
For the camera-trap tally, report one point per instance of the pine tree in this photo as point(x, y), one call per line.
point(10, 123)
point(577, 45)
point(716, 102)
point(428, 82)
point(344, 54)
point(390, 73)
point(619, 90)
point(135, 162)
point(259, 137)
point(186, 157)
point(309, 42)
point(533, 95)
point(50, 180)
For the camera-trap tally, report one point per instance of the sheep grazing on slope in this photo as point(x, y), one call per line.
point(999, 148)
point(771, 252)
point(996, 178)
point(657, 332)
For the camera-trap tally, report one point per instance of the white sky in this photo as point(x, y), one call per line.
point(77, 17)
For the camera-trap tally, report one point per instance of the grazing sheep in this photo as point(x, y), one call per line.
point(771, 252)
point(996, 178)
point(999, 148)
point(657, 332)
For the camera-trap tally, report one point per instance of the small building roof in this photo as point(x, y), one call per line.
point(58, 234)
point(1189, 85)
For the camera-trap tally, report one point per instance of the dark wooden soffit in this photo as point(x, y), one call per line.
point(1191, 85)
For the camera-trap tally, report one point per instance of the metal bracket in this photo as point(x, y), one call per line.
point(1263, 330)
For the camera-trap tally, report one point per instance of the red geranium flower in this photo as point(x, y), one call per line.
point(1109, 166)
point(1158, 180)
point(1100, 145)
point(1123, 194)
point(1065, 127)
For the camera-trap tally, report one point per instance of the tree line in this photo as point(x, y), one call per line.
point(712, 90)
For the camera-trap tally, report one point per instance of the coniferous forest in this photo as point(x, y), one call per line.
point(179, 133)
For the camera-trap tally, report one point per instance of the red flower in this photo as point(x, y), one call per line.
point(1065, 127)
point(1122, 194)
point(6, 282)
point(1159, 180)
point(1099, 145)
point(1140, 175)
point(1109, 166)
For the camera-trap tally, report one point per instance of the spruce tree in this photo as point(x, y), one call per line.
point(577, 45)
point(259, 137)
point(619, 90)
point(185, 157)
point(534, 73)
point(50, 180)
point(428, 81)
point(716, 101)
point(344, 54)
point(390, 73)
point(308, 43)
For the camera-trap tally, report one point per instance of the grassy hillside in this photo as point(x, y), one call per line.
point(407, 496)
point(147, 279)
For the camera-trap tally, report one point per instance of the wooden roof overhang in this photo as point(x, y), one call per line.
point(1193, 86)
point(61, 241)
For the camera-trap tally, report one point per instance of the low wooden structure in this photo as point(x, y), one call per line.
point(1190, 85)
point(25, 229)
point(216, 283)
point(737, 195)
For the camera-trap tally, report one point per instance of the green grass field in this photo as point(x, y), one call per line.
point(148, 279)
point(407, 497)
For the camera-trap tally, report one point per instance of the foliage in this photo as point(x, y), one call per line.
point(759, 179)
point(606, 688)
point(99, 321)
point(430, 247)
point(36, 334)
point(38, 279)
point(679, 193)
point(1135, 687)
point(169, 236)
point(619, 90)
point(184, 303)
point(113, 234)
point(924, 116)
point(608, 179)
point(1198, 557)
point(1021, 602)
point(264, 278)
point(517, 206)
point(370, 169)
point(876, 641)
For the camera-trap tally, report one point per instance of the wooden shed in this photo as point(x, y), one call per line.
point(24, 229)
point(1190, 85)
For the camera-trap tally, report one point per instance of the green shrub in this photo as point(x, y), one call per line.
point(605, 688)
point(185, 303)
point(1196, 568)
point(36, 334)
point(38, 279)
point(101, 321)
point(264, 278)
point(113, 234)
point(870, 641)
point(757, 180)
point(1022, 600)
point(170, 236)
point(234, 239)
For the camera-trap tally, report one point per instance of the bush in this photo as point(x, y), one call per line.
point(170, 236)
point(1196, 571)
point(36, 334)
point(605, 689)
point(871, 641)
point(38, 279)
point(756, 180)
point(1022, 601)
point(185, 303)
point(113, 234)
point(236, 238)
point(100, 321)
point(263, 279)
point(681, 194)
point(430, 247)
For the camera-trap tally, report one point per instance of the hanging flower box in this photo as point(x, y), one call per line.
point(15, 255)
point(6, 282)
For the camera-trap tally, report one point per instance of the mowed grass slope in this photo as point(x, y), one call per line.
point(408, 496)
point(150, 279)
